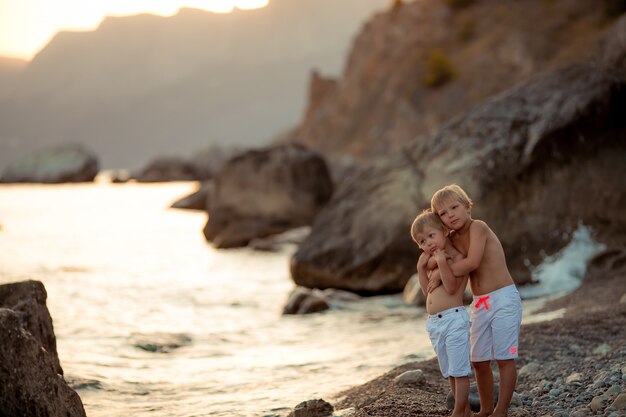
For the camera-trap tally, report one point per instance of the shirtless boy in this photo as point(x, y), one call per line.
point(448, 323)
point(497, 305)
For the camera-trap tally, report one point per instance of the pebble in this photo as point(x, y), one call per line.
point(620, 402)
point(603, 349)
point(411, 377)
point(529, 369)
point(575, 377)
point(598, 402)
point(555, 392)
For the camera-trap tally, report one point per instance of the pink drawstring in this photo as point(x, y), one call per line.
point(483, 300)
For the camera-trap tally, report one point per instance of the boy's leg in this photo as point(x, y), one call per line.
point(484, 383)
point(460, 389)
point(508, 379)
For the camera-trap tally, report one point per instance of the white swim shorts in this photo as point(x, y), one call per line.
point(449, 332)
point(496, 324)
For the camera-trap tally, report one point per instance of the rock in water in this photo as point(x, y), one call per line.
point(69, 163)
point(264, 192)
point(32, 384)
point(312, 408)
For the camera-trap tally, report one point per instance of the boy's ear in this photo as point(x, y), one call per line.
point(446, 232)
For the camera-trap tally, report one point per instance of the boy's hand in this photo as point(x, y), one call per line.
point(442, 255)
point(423, 260)
point(433, 283)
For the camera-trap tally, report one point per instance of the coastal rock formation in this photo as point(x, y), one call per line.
point(68, 163)
point(360, 241)
point(167, 169)
point(542, 158)
point(264, 192)
point(538, 159)
point(27, 300)
point(32, 381)
point(312, 408)
point(384, 98)
point(198, 200)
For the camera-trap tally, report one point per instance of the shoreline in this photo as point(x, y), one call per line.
point(574, 365)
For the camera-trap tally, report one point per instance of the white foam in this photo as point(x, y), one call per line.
point(564, 271)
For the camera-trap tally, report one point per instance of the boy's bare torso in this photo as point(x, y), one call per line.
point(439, 299)
point(492, 272)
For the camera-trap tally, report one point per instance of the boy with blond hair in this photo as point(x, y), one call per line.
point(448, 323)
point(497, 304)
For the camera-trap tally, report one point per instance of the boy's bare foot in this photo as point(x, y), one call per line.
point(482, 414)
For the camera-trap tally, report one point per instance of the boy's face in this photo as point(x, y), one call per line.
point(454, 214)
point(431, 239)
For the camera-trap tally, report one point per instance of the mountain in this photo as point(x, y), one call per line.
point(145, 85)
point(10, 70)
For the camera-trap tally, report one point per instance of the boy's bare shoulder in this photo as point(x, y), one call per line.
point(479, 227)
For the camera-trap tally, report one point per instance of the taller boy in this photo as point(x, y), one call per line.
point(497, 305)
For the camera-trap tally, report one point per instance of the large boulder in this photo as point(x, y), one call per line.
point(537, 160)
point(32, 381)
point(267, 191)
point(27, 300)
point(167, 169)
point(68, 163)
point(360, 241)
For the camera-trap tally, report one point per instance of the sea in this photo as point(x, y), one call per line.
point(151, 320)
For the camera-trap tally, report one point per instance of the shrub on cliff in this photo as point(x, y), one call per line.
point(614, 8)
point(439, 69)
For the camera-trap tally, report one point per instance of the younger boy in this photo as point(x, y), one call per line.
point(448, 323)
point(497, 305)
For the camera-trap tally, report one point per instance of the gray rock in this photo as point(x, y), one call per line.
point(167, 169)
point(410, 377)
point(351, 246)
point(575, 377)
point(68, 163)
point(264, 192)
point(305, 301)
point(620, 402)
point(555, 392)
point(529, 369)
point(474, 398)
point(312, 408)
point(32, 384)
point(599, 403)
point(27, 299)
point(603, 349)
point(198, 200)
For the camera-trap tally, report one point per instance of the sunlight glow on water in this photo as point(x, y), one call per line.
point(122, 271)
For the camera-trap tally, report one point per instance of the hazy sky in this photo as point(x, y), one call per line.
point(27, 25)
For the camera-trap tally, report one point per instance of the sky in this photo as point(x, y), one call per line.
point(26, 26)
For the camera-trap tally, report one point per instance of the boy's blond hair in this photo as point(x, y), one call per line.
point(426, 218)
point(449, 192)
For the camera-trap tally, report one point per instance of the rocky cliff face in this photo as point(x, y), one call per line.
point(390, 92)
point(537, 159)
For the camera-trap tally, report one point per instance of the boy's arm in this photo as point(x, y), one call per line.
point(478, 240)
point(449, 281)
point(422, 273)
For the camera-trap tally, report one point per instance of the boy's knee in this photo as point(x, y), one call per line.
point(480, 366)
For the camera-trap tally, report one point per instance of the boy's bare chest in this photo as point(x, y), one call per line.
point(461, 243)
